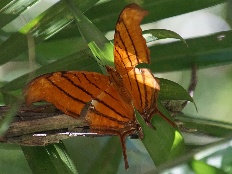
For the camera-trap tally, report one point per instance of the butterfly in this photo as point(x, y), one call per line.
point(114, 97)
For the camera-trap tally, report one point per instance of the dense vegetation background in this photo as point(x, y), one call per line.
point(51, 28)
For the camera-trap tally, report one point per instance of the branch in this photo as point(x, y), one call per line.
point(39, 126)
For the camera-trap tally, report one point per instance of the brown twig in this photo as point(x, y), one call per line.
point(41, 126)
point(193, 83)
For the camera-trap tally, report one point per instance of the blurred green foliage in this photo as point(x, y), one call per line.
point(60, 46)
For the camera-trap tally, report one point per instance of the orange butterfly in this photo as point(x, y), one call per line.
point(114, 97)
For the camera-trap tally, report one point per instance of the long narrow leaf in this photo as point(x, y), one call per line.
point(78, 61)
point(42, 27)
point(93, 36)
point(49, 159)
point(7, 119)
point(108, 11)
point(213, 50)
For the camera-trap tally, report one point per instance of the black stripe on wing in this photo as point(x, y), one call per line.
point(62, 90)
point(100, 114)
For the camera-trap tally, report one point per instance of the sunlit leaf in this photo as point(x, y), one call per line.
point(156, 34)
point(200, 167)
point(98, 43)
point(165, 142)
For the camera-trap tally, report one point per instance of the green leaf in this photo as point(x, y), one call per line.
point(156, 34)
point(98, 43)
point(170, 90)
point(17, 42)
point(9, 115)
point(17, 7)
point(49, 159)
point(43, 26)
point(200, 167)
point(107, 12)
point(78, 61)
point(109, 158)
point(165, 143)
point(207, 51)
point(12, 154)
point(103, 55)
point(206, 125)
point(100, 154)
point(199, 160)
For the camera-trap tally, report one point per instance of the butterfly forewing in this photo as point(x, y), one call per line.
point(129, 45)
point(68, 91)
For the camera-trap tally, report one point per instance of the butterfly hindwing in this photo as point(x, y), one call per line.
point(110, 115)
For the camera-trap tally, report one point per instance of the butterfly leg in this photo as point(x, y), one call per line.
point(123, 144)
point(136, 129)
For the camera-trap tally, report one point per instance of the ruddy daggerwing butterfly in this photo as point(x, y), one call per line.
point(114, 97)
